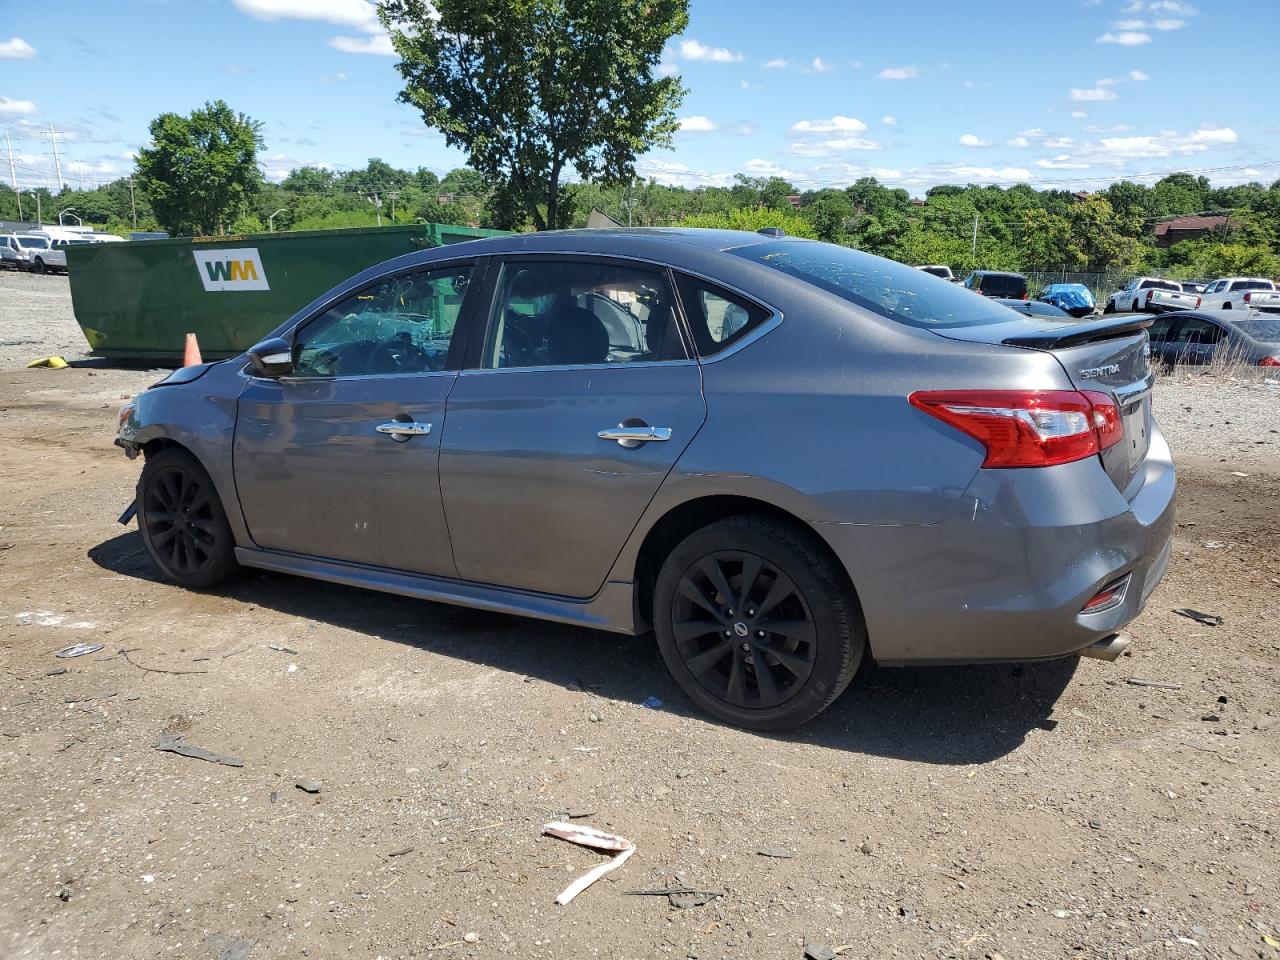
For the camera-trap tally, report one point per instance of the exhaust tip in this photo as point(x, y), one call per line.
point(1108, 648)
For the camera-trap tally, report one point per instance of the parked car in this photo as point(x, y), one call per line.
point(798, 455)
point(1034, 308)
point(11, 253)
point(1150, 295)
point(993, 283)
point(1232, 293)
point(938, 270)
point(27, 245)
point(1075, 298)
point(1250, 337)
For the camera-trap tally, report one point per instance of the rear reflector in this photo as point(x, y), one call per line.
point(1270, 361)
point(1199, 300)
point(1028, 428)
point(1110, 596)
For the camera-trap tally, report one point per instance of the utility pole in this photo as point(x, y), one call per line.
point(133, 207)
point(57, 164)
point(973, 250)
point(377, 206)
point(39, 215)
point(394, 194)
point(13, 176)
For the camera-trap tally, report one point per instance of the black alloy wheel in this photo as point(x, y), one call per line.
point(182, 521)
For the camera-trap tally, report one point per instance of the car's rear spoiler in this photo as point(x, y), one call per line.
point(1074, 334)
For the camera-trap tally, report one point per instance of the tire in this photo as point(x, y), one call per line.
point(182, 521)
point(808, 665)
point(1226, 306)
point(39, 266)
point(1110, 307)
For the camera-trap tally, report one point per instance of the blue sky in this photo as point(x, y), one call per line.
point(917, 92)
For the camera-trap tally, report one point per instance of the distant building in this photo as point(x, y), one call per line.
point(1189, 228)
point(16, 226)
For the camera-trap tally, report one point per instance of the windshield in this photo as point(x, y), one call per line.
point(882, 286)
point(1268, 331)
point(37, 243)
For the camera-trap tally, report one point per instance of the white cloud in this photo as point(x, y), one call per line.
point(667, 68)
point(889, 120)
point(1079, 114)
point(969, 140)
point(698, 124)
point(748, 85)
point(675, 174)
point(909, 72)
point(818, 65)
point(1108, 128)
point(1125, 38)
point(777, 63)
point(1138, 76)
point(767, 168)
point(1093, 94)
point(1215, 135)
point(16, 49)
point(836, 124)
point(692, 49)
point(15, 108)
point(1129, 24)
point(359, 14)
point(1179, 7)
point(379, 45)
point(1020, 142)
point(992, 175)
point(1063, 162)
point(830, 146)
point(1169, 24)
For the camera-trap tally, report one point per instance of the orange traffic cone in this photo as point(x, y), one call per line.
point(191, 355)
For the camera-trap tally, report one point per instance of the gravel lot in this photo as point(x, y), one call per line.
point(1038, 811)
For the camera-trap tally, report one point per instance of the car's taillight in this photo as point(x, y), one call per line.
point(1248, 297)
point(1150, 294)
point(1028, 428)
point(1271, 361)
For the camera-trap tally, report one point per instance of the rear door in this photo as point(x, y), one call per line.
point(571, 413)
point(340, 460)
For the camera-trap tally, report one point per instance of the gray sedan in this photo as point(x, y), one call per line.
point(1248, 337)
point(779, 456)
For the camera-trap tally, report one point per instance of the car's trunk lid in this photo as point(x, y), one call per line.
point(1109, 355)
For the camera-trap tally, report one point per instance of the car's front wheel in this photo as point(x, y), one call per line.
point(757, 623)
point(182, 521)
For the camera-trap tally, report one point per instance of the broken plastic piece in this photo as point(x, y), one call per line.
point(171, 743)
point(653, 703)
point(585, 836)
point(1208, 619)
point(54, 363)
point(79, 650)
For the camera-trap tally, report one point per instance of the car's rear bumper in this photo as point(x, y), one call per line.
point(1005, 576)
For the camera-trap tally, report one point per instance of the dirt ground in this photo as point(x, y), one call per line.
point(1037, 811)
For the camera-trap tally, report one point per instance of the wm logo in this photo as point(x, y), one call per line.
point(227, 270)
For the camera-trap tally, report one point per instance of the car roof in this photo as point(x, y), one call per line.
point(999, 273)
point(628, 240)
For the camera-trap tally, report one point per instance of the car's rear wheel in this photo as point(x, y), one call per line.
point(182, 521)
point(1110, 307)
point(39, 265)
point(757, 623)
point(1226, 306)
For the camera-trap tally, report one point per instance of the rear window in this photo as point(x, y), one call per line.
point(882, 286)
point(1268, 331)
point(1000, 285)
point(1161, 285)
point(1252, 285)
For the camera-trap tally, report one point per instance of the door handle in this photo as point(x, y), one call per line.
point(404, 429)
point(634, 436)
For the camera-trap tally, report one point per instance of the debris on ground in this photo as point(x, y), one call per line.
point(586, 836)
point(1158, 684)
point(79, 650)
point(236, 948)
point(577, 813)
point(309, 786)
point(1208, 619)
point(653, 703)
point(172, 743)
point(819, 951)
point(281, 648)
point(53, 363)
point(781, 853)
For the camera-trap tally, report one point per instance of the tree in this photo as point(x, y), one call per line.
point(754, 219)
point(532, 88)
point(201, 171)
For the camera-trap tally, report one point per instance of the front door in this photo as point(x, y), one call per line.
point(583, 398)
point(340, 459)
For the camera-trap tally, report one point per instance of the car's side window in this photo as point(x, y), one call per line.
point(1160, 329)
point(717, 318)
point(1195, 330)
point(567, 312)
point(402, 325)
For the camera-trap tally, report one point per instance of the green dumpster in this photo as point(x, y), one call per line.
point(137, 300)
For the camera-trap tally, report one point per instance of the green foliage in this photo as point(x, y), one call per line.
point(533, 88)
point(754, 219)
point(1206, 258)
point(201, 171)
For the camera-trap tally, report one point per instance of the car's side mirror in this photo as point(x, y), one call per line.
point(271, 358)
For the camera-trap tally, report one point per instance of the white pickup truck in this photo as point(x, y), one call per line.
point(1241, 293)
point(1150, 295)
